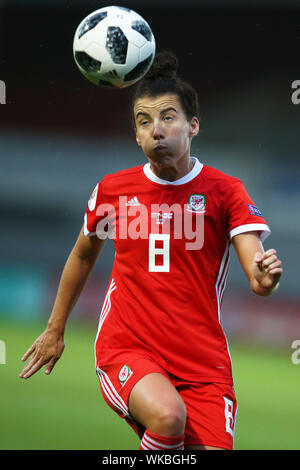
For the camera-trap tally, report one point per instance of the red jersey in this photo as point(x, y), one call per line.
point(172, 244)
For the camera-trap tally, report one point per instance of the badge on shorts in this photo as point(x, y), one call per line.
point(197, 203)
point(124, 374)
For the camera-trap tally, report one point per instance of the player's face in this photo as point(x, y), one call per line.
point(162, 129)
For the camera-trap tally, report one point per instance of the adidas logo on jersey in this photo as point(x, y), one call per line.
point(133, 202)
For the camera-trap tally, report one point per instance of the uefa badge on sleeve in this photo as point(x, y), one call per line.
point(253, 210)
point(197, 203)
point(124, 374)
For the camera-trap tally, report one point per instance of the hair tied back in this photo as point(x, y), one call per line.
point(165, 66)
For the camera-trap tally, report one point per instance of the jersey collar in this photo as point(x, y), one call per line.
point(185, 179)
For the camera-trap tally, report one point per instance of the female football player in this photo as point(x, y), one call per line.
point(161, 355)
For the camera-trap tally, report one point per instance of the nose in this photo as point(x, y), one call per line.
point(158, 132)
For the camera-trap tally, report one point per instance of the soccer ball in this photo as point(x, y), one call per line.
point(114, 46)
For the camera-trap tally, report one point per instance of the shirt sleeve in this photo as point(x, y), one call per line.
point(90, 217)
point(242, 215)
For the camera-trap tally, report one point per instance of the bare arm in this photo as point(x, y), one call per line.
point(262, 268)
point(49, 346)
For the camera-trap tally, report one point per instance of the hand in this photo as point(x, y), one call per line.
point(267, 270)
point(46, 349)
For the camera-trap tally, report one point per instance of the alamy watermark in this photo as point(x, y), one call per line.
point(2, 92)
point(296, 94)
point(295, 358)
point(2, 352)
point(133, 221)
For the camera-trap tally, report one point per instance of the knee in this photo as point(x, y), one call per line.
point(169, 419)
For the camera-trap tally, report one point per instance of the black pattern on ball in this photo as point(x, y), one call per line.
point(116, 44)
point(87, 62)
point(138, 70)
point(142, 28)
point(123, 8)
point(90, 23)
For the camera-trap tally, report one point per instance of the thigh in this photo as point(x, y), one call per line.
point(156, 404)
point(211, 412)
point(118, 378)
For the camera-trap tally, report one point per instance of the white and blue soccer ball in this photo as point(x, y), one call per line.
point(114, 46)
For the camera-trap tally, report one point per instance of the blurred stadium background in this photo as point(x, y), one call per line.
point(59, 135)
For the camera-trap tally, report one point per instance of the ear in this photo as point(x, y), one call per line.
point(194, 126)
point(138, 139)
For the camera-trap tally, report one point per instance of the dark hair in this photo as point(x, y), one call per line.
point(162, 78)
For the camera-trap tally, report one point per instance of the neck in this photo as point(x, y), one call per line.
point(172, 171)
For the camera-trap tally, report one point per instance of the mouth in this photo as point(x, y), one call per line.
point(159, 147)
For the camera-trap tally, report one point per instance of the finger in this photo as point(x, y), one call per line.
point(35, 358)
point(276, 271)
point(269, 252)
point(50, 366)
point(275, 264)
point(28, 352)
point(268, 261)
point(258, 260)
point(33, 369)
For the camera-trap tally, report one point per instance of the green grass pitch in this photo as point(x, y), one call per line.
point(65, 410)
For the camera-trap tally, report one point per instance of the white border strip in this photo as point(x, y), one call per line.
point(111, 393)
point(106, 307)
point(263, 228)
point(220, 288)
point(221, 279)
point(224, 281)
point(86, 232)
point(149, 443)
point(104, 312)
point(185, 179)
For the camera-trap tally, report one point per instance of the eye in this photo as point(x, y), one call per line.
point(168, 118)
